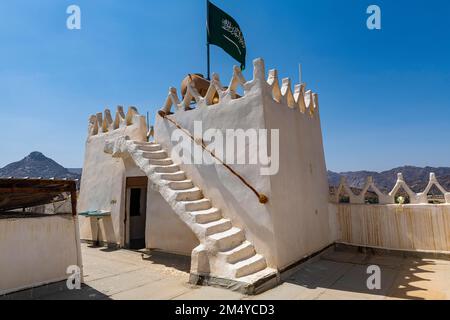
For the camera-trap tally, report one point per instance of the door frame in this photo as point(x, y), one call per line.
point(140, 182)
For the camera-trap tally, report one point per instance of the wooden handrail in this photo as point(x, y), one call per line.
point(262, 198)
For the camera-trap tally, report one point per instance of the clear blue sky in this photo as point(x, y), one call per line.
point(385, 95)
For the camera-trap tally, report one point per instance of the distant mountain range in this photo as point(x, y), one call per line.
point(417, 178)
point(36, 165)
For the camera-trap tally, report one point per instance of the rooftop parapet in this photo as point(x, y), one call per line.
point(415, 198)
point(300, 100)
point(103, 123)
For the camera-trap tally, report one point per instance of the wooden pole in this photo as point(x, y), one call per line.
point(73, 200)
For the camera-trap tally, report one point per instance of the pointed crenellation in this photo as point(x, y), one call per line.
point(343, 187)
point(236, 81)
point(316, 103)
point(305, 102)
point(93, 126)
point(119, 120)
point(402, 184)
point(309, 101)
point(186, 102)
point(415, 198)
point(274, 84)
point(107, 124)
point(100, 120)
point(193, 92)
point(287, 97)
point(131, 115)
point(370, 185)
point(217, 84)
point(104, 123)
point(299, 96)
point(259, 71)
point(210, 93)
point(172, 101)
point(423, 196)
point(216, 93)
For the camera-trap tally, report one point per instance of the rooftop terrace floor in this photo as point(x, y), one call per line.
point(123, 275)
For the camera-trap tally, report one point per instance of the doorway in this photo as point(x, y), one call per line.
point(136, 213)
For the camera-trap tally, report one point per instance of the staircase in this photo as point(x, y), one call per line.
point(230, 256)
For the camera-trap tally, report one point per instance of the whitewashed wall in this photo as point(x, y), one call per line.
point(37, 251)
point(225, 190)
point(104, 177)
point(403, 227)
point(165, 231)
point(294, 223)
point(299, 192)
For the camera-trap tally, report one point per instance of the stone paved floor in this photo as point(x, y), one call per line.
point(126, 275)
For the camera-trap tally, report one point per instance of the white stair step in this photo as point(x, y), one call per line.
point(251, 265)
point(149, 147)
point(176, 176)
point(217, 226)
point(263, 274)
point(160, 162)
point(181, 185)
point(167, 169)
point(155, 155)
point(203, 204)
point(229, 239)
point(189, 195)
point(206, 216)
point(144, 143)
point(242, 252)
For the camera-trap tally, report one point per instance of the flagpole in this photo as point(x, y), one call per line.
point(209, 68)
point(300, 73)
point(207, 42)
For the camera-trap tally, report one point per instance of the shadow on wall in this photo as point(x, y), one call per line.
point(344, 275)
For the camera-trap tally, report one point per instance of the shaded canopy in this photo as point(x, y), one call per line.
point(26, 193)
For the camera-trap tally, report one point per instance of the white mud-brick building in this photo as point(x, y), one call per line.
point(242, 223)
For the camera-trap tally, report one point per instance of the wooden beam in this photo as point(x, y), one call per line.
point(20, 193)
point(137, 182)
point(30, 190)
point(73, 200)
point(36, 183)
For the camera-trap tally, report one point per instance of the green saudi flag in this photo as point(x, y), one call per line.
point(224, 32)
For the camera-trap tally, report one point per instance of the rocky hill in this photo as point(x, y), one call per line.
point(37, 165)
point(416, 177)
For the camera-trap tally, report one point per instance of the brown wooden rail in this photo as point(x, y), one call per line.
point(262, 198)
